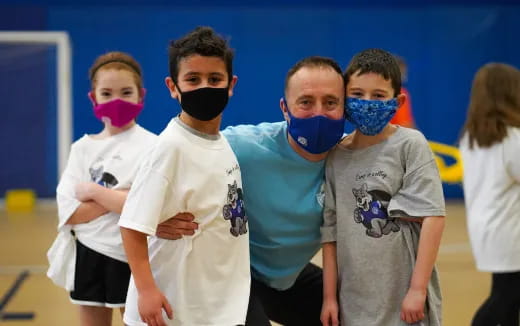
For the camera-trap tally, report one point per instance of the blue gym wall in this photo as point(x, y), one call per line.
point(443, 43)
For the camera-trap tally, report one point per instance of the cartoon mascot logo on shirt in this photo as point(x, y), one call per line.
point(372, 212)
point(234, 210)
point(99, 176)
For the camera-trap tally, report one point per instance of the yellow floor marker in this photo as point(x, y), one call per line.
point(20, 200)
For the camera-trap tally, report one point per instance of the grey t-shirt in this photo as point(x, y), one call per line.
point(366, 192)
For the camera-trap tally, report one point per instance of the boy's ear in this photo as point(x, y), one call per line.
point(232, 84)
point(401, 98)
point(171, 87)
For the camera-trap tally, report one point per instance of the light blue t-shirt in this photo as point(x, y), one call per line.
point(283, 195)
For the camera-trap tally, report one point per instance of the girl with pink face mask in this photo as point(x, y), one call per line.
point(88, 258)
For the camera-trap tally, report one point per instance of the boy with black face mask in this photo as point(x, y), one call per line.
point(384, 209)
point(191, 168)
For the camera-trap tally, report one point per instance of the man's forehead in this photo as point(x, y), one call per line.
point(316, 81)
point(308, 71)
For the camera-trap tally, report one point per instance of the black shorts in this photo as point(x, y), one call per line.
point(298, 305)
point(99, 280)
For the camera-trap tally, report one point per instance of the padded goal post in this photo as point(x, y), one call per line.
point(63, 64)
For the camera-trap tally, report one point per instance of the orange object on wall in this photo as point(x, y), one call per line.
point(404, 116)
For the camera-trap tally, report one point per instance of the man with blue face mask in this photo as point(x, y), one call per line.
point(282, 166)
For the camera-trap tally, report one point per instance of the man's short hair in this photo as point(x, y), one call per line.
point(313, 62)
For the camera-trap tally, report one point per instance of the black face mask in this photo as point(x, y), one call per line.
point(204, 103)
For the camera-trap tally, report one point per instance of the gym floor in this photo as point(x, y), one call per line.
point(28, 297)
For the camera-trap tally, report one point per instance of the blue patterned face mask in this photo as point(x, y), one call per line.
point(370, 116)
point(316, 135)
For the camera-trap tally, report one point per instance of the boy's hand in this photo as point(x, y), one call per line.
point(329, 313)
point(412, 309)
point(150, 305)
point(85, 191)
point(177, 226)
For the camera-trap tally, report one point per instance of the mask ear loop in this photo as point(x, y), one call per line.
point(91, 98)
point(180, 92)
point(345, 98)
point(286, 106)
point(177, 87)
point(284, 101)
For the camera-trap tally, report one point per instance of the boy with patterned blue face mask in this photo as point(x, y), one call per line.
point(384, 207)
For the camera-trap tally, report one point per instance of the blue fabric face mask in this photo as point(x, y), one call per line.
point(316, 135)
point(370, 117)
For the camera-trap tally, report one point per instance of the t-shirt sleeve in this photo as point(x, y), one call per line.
point(328, 229)
point(238, 138)
point(421, 193)
point(144, 206)
point(65, 192)
point(230, 132)
point(140, 161)
point(245, 141)
point(512, 153)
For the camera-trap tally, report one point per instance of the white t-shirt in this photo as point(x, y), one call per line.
point(492, 197)
point(205, 277)
point(112, 162)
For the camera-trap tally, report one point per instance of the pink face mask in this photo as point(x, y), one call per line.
point(119, 112)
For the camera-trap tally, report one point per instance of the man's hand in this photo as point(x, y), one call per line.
point(177, 226)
